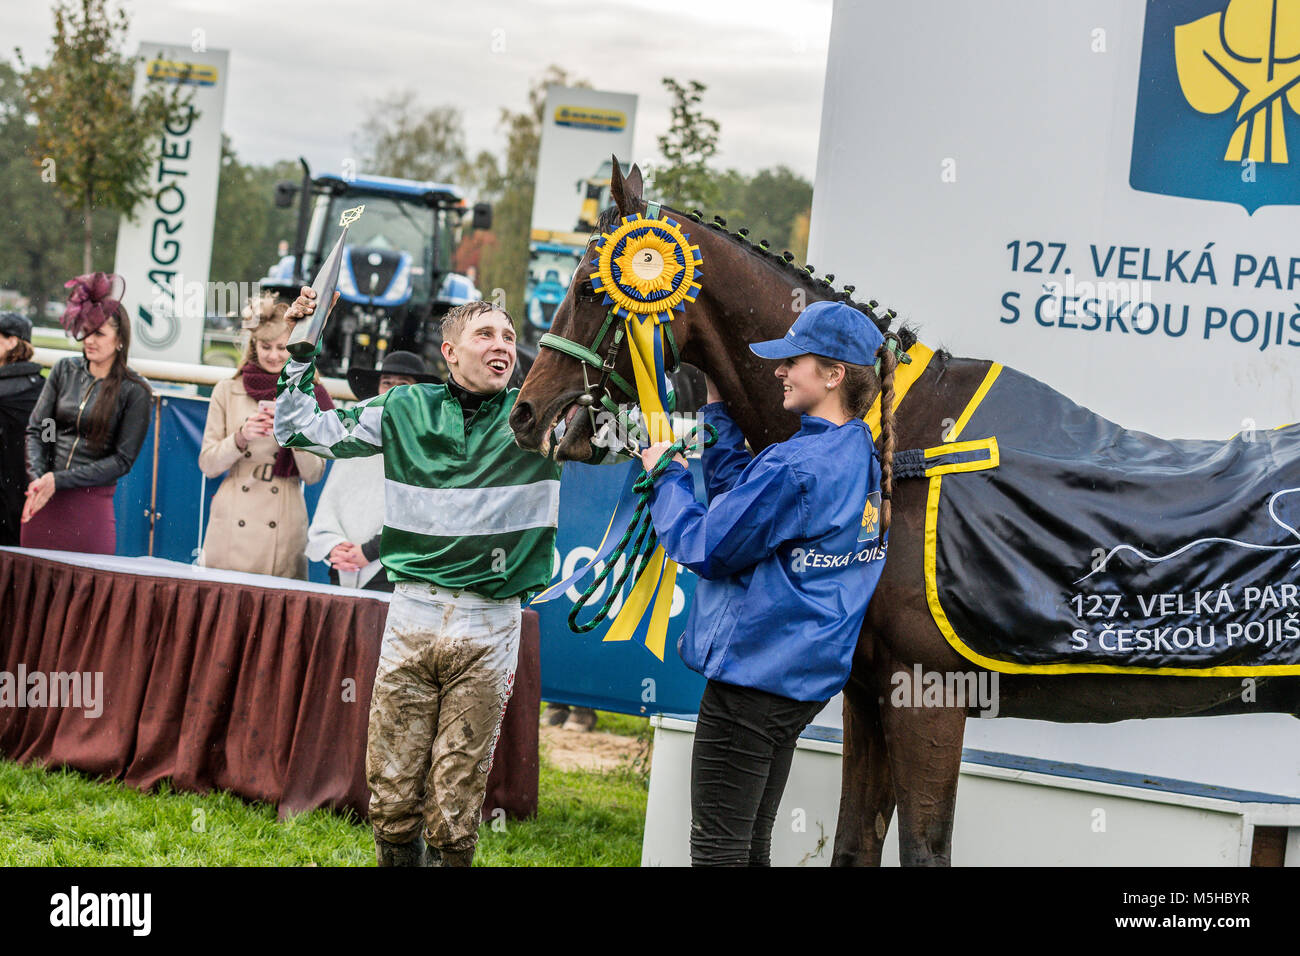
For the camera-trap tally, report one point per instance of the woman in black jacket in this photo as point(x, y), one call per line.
point(20, 385)
point(87, 426)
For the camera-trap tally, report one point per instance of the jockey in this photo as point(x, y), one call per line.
point(789, 550)
point(469, 529)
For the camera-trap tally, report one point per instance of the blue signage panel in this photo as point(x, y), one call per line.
point(584, 669)
point(579, 669)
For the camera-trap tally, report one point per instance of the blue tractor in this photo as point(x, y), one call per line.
point(396, 280)
point(550, 266)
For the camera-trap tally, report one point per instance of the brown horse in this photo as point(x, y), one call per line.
point(894, 757)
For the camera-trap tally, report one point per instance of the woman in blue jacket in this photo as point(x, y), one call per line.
point(789, 550)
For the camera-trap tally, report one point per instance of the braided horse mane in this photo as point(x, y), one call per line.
point(821, 288)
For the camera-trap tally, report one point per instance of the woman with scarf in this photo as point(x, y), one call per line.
point(87, 426)
point(259, 516)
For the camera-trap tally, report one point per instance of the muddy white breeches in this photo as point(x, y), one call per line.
point(446, 672)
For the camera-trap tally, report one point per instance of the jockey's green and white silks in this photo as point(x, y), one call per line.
point(465, 507)
point(1057, 542)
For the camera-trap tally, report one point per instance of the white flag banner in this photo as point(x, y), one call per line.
point(581, 129)
point(164, 254)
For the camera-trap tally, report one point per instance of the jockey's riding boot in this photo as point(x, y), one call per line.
point(455, 857)
point(411, 853)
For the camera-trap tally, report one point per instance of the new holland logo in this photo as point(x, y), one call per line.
point(870, 529)
point(186, 74)
point(591, 117)
point(1218, 93)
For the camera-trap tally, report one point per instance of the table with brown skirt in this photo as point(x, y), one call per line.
point(214, 679)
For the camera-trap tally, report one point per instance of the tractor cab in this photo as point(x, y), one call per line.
point(396, 279)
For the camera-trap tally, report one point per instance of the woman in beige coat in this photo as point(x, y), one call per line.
point(259, 517)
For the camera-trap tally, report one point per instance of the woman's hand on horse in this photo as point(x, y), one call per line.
point(650, 456)
point(711, 393)
point(305, 304)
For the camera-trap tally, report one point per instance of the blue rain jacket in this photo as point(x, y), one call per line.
point(788, 552)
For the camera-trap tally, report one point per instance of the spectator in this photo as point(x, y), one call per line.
point(351, 506)
point(20, 386)
point(87, 426)
point(259, 516)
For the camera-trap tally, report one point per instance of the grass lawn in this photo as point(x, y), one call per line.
point(63, 818)
point(54, 342)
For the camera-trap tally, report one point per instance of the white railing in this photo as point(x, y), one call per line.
point(191, 374)
point(182, 373)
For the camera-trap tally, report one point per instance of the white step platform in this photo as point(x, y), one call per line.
point(1012, 810)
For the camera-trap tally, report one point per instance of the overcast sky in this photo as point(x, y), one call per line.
point(302, 73)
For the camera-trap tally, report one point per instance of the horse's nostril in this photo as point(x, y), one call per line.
point(521, 416)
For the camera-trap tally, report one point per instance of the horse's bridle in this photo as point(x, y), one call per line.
point(590, 358)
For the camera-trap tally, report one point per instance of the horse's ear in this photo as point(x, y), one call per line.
point(632, 187)
point(626, 192)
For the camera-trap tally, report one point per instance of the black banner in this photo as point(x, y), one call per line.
point(1086, 547)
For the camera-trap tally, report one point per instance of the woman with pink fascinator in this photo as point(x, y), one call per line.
point(87, 427)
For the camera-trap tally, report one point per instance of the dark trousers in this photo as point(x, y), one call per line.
point(744, 743)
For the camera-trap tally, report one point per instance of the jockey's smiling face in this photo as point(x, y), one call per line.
point(483, 356)
point(803, 383)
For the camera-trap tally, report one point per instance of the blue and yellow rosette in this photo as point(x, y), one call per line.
point(646, 267)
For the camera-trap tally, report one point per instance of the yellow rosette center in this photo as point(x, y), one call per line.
point(648, 264)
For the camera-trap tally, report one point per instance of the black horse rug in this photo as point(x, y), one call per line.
point(1057, 542)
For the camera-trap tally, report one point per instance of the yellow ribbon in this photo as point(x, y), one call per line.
point(654, 590)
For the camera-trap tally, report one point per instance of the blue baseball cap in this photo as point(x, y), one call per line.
point(832, 330)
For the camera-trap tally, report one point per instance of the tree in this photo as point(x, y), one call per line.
point(42, 247)
point(505, 264)
point(397, 139)
point(684, 180)
point(249, 226)
point(774, 202)
point(101, 142)
point(484, 182)
point(483, 178)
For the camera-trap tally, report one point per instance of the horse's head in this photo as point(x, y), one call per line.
point(563, 375)
point(749, 294)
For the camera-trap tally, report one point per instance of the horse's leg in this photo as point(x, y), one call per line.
point(924, 747)
point(866, 787)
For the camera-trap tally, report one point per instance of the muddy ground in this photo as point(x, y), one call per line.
point(596, 750)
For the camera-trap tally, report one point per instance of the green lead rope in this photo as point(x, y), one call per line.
point(640, 532)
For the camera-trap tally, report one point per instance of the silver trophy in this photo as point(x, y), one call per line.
point(307, 332)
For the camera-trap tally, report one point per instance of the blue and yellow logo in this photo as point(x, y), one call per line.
point(1219, 87)
point(187, 74)
point(870, 529)
point(591, 117)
